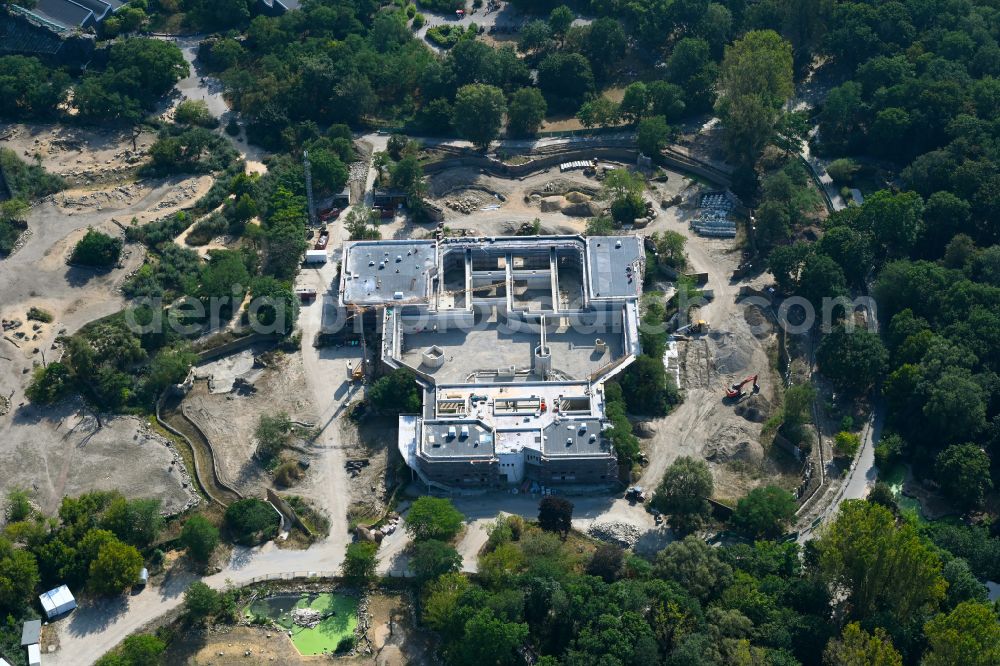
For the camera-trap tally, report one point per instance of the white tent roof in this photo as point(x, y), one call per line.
point(57, 601)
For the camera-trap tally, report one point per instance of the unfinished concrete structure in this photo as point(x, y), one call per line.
point(511, 339)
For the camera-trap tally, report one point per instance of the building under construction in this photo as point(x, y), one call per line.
point(511, 340)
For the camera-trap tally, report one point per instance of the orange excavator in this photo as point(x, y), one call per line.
point(736, 391)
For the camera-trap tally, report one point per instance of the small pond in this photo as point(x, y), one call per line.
point(338, 613)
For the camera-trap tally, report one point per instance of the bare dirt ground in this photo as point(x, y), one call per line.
point(40, 449)
point(736, 346)
point(390, 639)
point(522, 200)
point(61, 451)
point(84, 157)
point(228, 418)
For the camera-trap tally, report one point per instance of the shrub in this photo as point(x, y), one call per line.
point(201, 601)
point(38, 314)
point(842, 171)
point(195, 112)
point(395, 393)
point(97, 249)
point(251, 521)
point(360, 561)
point(200, 537)
point(205, 230)
point(433, 518)
point(287, 474)
point(50, 384)
point(846, 443)
point(345, 645)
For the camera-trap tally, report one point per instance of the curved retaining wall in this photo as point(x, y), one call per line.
point(619, 151)
point(200, 475)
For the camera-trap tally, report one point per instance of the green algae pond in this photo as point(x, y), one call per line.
point(339, 619)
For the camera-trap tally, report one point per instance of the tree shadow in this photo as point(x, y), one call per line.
point(79, 276)
point(94, 618)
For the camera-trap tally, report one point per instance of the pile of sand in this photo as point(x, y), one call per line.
point(732, 354)
point(733, 442)
point(756, 408)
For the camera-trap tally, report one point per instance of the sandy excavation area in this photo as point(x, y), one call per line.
point(228, 414)
point(63, 451)
point(48, 451)
point(84, 157)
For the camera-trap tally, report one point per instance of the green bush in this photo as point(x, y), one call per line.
point(200, 537)
point(360, 562)
point(97, 250)
point(251, 521)
point(287, 474)
point(50, 384)
point(446, 36)
point(27, 181)
point(842, 171)
point(195, 112)
point(395, 393)
point(846, 443)
point(433, 518)
point(204, 231)
point(38, 314)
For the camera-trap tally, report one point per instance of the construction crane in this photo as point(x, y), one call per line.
point(736, 390)
point(307, 167)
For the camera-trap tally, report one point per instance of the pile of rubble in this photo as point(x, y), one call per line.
point(358, 171)
point(471, 201)
point(376, 535)
point(625, 535)
point(123, 194)
point(307, 617)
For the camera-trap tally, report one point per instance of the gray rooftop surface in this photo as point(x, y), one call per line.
point(573, 352)
point(556, 435)
point(608, 265)
point(479, 442)
point(31, 632)
point(405, 271)
point(63, 12)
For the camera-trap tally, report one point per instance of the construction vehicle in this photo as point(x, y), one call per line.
point(635, 494)
point(698, 326)
point(736, 392)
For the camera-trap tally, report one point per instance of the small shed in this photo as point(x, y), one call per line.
point(31, 633)
point(58, 601)
point(4, 662)
point(34, 655)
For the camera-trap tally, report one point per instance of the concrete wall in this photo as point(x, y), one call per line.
point(460, 473)
point(620, 153)
point(550, 471)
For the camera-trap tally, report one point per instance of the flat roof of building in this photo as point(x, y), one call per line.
point(386, 271)
point(613, 265)
point(574, 437)
point(31, 632)
point(461, 439)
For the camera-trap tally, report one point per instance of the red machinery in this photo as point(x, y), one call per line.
point(736, 390)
